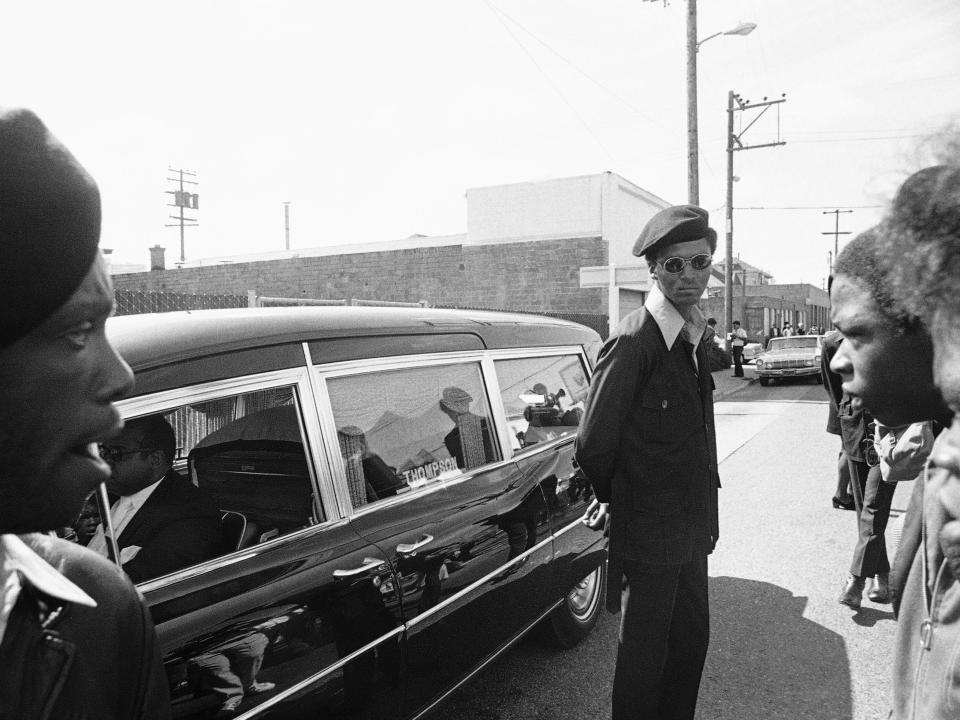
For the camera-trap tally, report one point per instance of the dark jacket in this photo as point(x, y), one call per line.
point(926, 662)
point(648, 446)
point(64, 661)
point(851, 425)
point(178, 526)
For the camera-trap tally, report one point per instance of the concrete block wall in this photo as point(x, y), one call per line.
point(537, 276)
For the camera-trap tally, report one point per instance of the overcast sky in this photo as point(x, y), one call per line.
point(373, 118)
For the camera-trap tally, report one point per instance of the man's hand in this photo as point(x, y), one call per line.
point(596, 515)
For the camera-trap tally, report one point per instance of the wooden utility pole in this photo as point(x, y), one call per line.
point(836, 233)
point(693, 151)
point(736, 104)
point(183, 199)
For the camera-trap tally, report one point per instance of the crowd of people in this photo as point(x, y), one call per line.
point(892, 370)
point(77, 641)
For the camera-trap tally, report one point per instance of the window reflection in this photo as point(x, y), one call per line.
point(402, 429)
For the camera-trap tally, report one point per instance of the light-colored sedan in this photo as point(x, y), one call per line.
point(751, 350)
point(795, 356)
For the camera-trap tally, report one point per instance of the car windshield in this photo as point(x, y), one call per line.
point(793, 343)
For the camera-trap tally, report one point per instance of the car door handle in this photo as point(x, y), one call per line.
point(407, 548)
point(368, 565)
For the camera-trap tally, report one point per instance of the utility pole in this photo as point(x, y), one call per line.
point(286, 224)
point(693, 164)
point(736, 104)
point(836, 232)
point(183, 199)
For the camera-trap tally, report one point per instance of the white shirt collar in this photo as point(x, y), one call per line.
point(18, 558)
point(669, 319)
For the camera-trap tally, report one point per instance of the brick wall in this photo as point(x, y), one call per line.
point(540, 276)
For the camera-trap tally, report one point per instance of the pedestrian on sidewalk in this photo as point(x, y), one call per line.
point(648, 446)
point(923, 257)
point(737, 338)
point(885, 361)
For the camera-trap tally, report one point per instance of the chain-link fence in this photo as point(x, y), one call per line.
point(134, 302)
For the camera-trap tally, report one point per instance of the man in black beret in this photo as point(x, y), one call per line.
point(647, 445)
point(75, 637)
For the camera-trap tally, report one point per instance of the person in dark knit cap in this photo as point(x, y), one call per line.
point(75, 637)
point(647, 445)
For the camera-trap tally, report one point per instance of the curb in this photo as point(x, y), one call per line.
point(722, 395)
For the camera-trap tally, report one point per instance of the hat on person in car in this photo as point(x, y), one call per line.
point(456, 399)
point(679, 223)
point(49, 223)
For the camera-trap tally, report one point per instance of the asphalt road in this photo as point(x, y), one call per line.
point(782, 647)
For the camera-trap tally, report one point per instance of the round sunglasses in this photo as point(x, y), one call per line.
point(676, 265)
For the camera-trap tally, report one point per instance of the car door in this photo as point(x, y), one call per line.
point(296, 616)
point(467, 532)
point(542, 394)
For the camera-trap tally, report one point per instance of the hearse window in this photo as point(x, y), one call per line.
point(543, 397)
point(239, 477)
point(402, 429)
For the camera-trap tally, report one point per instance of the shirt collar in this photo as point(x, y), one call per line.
point(16, 556)
point(669, 319)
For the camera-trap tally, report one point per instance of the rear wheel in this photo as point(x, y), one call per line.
point(576, 616)
point(764, 381)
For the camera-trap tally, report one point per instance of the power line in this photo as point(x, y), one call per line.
point(555, 87)
point(585, 74)
point(808, 207)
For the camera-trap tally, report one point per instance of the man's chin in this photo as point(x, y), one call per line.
point(56, 494)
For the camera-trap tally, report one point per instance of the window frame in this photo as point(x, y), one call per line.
point(500, 355)
point(297, 378)
point(333, 371)
point(485, 359)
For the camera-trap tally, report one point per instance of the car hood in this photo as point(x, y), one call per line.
point(788, 355)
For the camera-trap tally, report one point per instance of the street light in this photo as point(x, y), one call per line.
point(693, 47)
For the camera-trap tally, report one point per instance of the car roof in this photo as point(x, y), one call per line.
point(154, 339)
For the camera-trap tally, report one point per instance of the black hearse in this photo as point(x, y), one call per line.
point(398, 503)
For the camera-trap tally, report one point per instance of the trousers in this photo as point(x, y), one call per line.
point(737, 360)
point(870, 554)
point(664, 634)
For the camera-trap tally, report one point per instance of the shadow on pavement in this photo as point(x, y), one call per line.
point(868, 617)
point(767, 661)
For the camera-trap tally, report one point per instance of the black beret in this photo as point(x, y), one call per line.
point(49, 223)
point(676, 224)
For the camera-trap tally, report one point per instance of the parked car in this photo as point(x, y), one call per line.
point(751, 350)
point(397, 496)
point(794, 356)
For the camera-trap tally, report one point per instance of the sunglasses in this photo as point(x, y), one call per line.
point(115, 454)
point(676, 265)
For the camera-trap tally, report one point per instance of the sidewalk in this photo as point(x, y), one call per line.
point(727, 385)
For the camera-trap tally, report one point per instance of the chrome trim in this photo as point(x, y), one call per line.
point(473, 673)
point(408, 548)
point(145, 404)
point(399, 362)
point(316, 677)
point(236, 556)
point(368, 565)
point(477, 583)
point(318, 446)
point(568, 528)
point(537, 448)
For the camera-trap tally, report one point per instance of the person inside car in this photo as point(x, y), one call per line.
point(162, 521)
point(76, 639)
